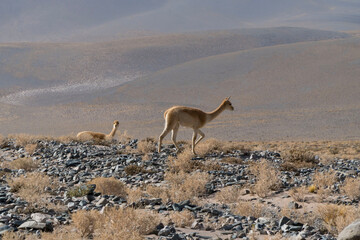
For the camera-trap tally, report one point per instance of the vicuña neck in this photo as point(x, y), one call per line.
point(216, 112)
point(113, 131)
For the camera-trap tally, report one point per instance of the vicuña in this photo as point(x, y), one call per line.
point(87, 135)
point(190, 117)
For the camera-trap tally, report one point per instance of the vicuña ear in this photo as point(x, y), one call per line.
point(228, 98)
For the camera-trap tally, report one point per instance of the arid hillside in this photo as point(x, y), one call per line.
point(285, 83)
point(302, 90)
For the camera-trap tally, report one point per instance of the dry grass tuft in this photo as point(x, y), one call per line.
point(158, 192)
point(299, 193)
point(351, 188)
point(232, 160)
point(28, 164)
point(122, 224)
point(304, 217)
point(184, 162)
point(134, 194)
point(298, 158)
point(32, 187)
point(229, 195)
point(9, 235)
point(126, 224)
point(135, 169)
point(86, 222)
point(184, 186)
point(67, 139)
point(323, 182)
point(124, 137)
point(267, 178)
point(337, 217)
point(181, 219)
point(214, 145)
point(2, 141)
point(79, 190)
point(109, 186)
point(62, 233)
point(147, 145)
point(324, 179)
point(254, 209)
point(24, 139)
point(31, 148)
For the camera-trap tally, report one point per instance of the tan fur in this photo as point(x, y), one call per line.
point(88, 135)
point(189, 117)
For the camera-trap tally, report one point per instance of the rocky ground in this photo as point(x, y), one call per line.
point(74, 164)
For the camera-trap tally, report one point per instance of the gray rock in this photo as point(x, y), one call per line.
point(71, 205)
point(166, 231)
point(284, 220)
point(197, 225)
point(72, 163)
point(294, 205)
point(40, 217)
point(351, 232)
point(102, 202)
point(32, 224)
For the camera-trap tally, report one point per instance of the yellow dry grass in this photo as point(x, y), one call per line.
point(351, 188)
point(184, 186)
point(32, 187)
point(27, 164)
point(147, 145)
point(337, 217)
point(339, 149)
point(181, 219)
point(299, 193)
point(109, 186)
point(255, 209)
point(31, 148)
point(114, 223)
point(229, 195)
point(267, 178)
point(184, 162)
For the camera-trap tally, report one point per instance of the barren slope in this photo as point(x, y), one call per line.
point(303, 90)
point(295, 91)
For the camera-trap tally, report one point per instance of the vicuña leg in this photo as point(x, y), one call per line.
point(193, 140)
point(173, 136)
point(202, 135)
point(167, 129)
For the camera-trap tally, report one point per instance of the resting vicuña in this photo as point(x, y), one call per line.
point(98, 136)
point(190, 117)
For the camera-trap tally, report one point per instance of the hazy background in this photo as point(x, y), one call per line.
point(291, 67)
point(91, 20)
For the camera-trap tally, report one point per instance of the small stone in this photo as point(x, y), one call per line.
point(40, 217)
point(102, 202)
point(71, 205)
point(72, 163)
point(294, 205)
point(166, 231)
point(197, 225)
point(284, 220)
point(32, 224)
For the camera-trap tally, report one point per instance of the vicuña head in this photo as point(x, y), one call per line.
point(190, 117)
point(88, 135)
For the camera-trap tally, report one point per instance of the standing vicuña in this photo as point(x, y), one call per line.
point(190, 117)
point(86, 135)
